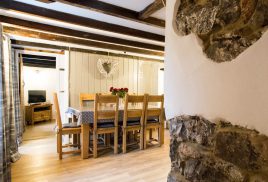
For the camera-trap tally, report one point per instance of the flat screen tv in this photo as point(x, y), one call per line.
point(36, 96)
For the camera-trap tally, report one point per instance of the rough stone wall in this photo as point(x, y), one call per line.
point(202, 151)
point(226, 27)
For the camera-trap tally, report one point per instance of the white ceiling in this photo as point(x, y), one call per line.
point(99, 16)
point(81, 46)
point(136, 5)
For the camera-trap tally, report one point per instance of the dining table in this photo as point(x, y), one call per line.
point(85, 117)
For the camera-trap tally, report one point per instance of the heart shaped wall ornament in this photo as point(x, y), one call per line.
point(107, 66)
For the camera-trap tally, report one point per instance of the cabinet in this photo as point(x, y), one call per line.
point(38, 112)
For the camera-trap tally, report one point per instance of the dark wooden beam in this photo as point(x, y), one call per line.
point(36, 44)
point(37, 50)
point(46, 1)
point(53, 37)
point(114, 10)
point(50, 46)
point(152, 8)
point(76, 33)
point(78, 20)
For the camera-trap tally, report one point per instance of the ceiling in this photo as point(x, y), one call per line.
point(129, 4)
point(135, 5)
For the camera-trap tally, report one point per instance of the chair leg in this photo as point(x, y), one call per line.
point(89, 139)
point(124, 141)
point(78, 141)
point(116, 140)
point(144, 138)
point(141, 139)
point(159, 136)
point(150, 134)
point(95, 144)
point(58, 145)
point(59, 138)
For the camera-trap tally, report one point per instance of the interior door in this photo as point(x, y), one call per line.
point(62, 66)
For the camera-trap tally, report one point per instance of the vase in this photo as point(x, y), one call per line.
point(121, 102)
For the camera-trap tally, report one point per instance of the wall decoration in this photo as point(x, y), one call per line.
point(226, 27)
point(107, 66)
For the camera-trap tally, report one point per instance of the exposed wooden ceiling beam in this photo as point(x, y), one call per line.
point(152, 8)
point(76, 33)
point(46, 1)
point(16, 43)
point(37, 44)
point(114, 10)
point(37, 50)
point(78, 20)
point(53, 37)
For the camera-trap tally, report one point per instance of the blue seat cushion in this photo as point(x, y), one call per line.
point(133, 123)
point(70, 125)
point(104, 125)
point(152, 121)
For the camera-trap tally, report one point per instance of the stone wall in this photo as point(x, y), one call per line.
point(226, 27)
point(202, 151)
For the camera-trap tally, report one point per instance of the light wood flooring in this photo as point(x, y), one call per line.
point(39, 162)
point(39, 130)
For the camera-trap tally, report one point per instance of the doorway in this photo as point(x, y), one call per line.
point(42, 74)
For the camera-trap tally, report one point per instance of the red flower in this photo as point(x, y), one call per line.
point(126, 89)
point(115, 89)
point(121, 89)
point(111, 89)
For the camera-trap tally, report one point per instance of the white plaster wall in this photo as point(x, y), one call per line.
point(236, 91)
point(40, 79)
point(51, 80)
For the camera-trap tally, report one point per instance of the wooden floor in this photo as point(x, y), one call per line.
point(39, 162)
point(39, 130)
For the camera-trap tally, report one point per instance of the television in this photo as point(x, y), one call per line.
point(36, 96)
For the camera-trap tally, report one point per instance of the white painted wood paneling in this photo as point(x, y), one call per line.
point(137, 75)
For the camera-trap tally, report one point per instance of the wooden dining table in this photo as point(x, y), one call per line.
point(85, 117)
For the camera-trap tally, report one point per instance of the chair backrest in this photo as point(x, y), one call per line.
point(154, 111)
point(106, 112)
point(57, 107)
point(85, 97)
point(135, 112)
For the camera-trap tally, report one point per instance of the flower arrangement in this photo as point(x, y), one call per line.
point(121, 92)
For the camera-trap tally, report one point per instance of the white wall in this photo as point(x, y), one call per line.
point(137, 75)
point(40, 79)
point(51, 80)
point(236, 91)
point(160, 82)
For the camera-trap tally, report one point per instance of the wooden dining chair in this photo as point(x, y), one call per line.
point(102, 113)
point(65, 129)
point(133, 118)
point(83, 98)
point(154, 116)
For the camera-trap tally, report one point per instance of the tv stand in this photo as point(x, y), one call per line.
point(38, 112)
